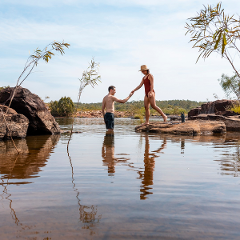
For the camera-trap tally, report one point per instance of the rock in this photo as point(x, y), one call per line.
point(194, 112)
point(30, 105)
point(197, 127)
point(232, 123)
point(219, 107)
point(17, 124)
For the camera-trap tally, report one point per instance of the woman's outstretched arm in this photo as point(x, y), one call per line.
point(138, 87)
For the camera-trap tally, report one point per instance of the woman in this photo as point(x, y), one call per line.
point(149, 98)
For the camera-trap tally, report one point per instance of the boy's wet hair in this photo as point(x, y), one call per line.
point(111, 87)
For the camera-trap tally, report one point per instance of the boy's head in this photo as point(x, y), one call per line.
point(112, 90)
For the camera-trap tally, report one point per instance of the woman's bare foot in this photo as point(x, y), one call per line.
point(144, 124)
point(165, 118)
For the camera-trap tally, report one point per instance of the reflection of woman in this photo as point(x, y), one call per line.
point(149, 165)
point(149, 98)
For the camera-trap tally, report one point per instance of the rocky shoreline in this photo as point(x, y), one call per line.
point(98, 114)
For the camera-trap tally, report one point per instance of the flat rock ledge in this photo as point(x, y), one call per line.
point(191, 128)
point(232, 122)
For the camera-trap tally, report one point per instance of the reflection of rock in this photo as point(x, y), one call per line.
point(197, 127)
point(34, 154)
point(30, 105)
point(17, 124)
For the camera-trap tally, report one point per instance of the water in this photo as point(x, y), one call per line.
point(126, 186)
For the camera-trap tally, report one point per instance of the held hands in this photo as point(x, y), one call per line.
point(131, 93)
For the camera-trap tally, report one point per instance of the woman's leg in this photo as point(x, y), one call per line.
point(155, 107)
point(147, 110)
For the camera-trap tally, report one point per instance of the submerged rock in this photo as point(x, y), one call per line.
point(197, 127)
point(31, 106)
point(15, 126)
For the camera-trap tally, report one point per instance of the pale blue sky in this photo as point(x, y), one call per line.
point(121, 35)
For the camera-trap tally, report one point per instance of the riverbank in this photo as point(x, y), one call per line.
point(98, 114)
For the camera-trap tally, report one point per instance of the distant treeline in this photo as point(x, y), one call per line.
point(169, 107)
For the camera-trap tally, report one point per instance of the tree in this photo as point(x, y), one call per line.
point(89, 77)
point(63, 108)
point(214, 31)
point(230, 85)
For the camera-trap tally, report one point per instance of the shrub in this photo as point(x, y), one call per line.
point(63, 108)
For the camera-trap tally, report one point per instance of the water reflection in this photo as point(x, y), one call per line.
point(87, 213)
point(149, 165)
point(108, 155)
point(34, 154)
point(230, 155)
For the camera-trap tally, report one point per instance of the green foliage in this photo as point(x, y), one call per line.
point(230, 85)
point(62, 108)
point(1, 88)
point(236, 109)
point(214, 31)
point(137, 107)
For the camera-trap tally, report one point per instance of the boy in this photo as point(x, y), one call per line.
point(108, 104)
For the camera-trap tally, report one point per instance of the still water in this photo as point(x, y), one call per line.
point(126, 186)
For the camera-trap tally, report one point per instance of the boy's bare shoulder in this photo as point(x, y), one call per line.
point(104, 99)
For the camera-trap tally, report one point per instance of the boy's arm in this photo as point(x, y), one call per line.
point(122, 100)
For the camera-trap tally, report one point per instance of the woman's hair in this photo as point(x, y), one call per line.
point(148, 71)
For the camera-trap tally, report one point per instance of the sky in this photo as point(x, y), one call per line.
point(121, 35)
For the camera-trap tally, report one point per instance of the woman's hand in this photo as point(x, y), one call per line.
point(150, 94)
point(132, 92)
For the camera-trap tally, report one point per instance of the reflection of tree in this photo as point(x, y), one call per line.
point(149, 165)
point(108, 156)
point(87, 214)
point(34, 154)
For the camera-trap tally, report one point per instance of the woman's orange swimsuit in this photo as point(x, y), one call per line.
point(147, 85)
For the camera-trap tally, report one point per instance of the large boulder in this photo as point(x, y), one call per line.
point(12, 124)
point(30, 105)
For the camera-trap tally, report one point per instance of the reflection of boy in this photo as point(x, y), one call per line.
point(108, 153)
point(108, 105)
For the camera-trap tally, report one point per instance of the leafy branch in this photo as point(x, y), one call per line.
point(214, 31)
point(89, 77)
